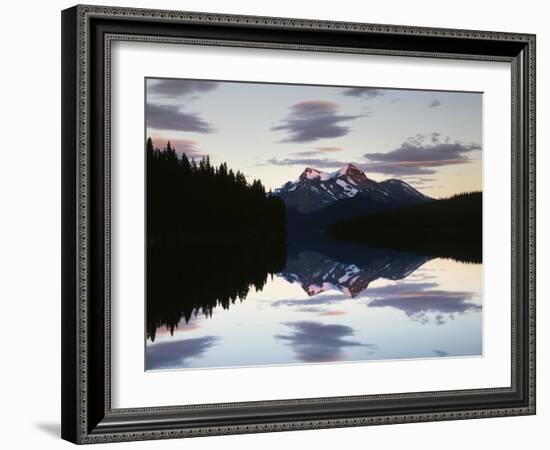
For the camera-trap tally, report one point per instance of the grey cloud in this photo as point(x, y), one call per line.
point(318, 151)
point(187, 146)
point(180, 88)
point(168, 117)
point(363, 92)
point(332, 313)
point(434, 103)
point(392, 290)
point(174, 354)
point(399, 169)
point(420, 301)
point(317, 342)
point(421, 276)
point(312, 120)
point(312, 301)
point(319, 163)
point(416, 156)
point(418, 139)
point(440, 353)
point(314, 108)
point(420, 181)
point(310, 309)
point(425, 154)
point(423, 304)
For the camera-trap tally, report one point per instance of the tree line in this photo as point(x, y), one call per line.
point(198, 279)
point(447, 228)
point(189, 196)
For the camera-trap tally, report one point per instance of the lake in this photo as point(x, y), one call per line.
point(311, 300)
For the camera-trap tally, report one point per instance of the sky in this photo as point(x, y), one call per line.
point(272, 132)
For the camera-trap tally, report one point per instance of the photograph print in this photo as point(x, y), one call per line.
point(310, 224)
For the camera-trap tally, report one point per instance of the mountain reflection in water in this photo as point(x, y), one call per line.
point(308, 300)
point(317, 272)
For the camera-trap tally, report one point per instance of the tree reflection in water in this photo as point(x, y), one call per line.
point(194, 277)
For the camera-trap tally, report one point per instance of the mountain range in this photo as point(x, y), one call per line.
point(317, 272)
point(318, 199)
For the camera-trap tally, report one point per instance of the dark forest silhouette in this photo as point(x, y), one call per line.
point(188, 196)
point(448, 228)
point(196, 278)
point(211, 236)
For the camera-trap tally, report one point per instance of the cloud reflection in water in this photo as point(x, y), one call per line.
point(318, 342)
point(174, 354)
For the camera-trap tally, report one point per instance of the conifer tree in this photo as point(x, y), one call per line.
point(185, 197)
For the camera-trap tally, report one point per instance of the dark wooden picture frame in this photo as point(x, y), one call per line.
point(87, 34)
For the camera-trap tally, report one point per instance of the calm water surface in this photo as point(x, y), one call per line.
point(323, 304)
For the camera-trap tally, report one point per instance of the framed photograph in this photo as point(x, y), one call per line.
point(279, 224)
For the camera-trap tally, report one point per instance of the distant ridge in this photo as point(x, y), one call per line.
point(449, 228)
point(317, 199)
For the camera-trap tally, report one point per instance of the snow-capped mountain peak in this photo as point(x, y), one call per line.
point(347, 169)
point(312, 174)
point(315, 189)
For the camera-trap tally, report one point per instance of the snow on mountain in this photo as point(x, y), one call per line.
point(311, 174)
point(317, 273)
point(315, 189)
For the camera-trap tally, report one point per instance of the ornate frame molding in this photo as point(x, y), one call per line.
point(77, 426)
